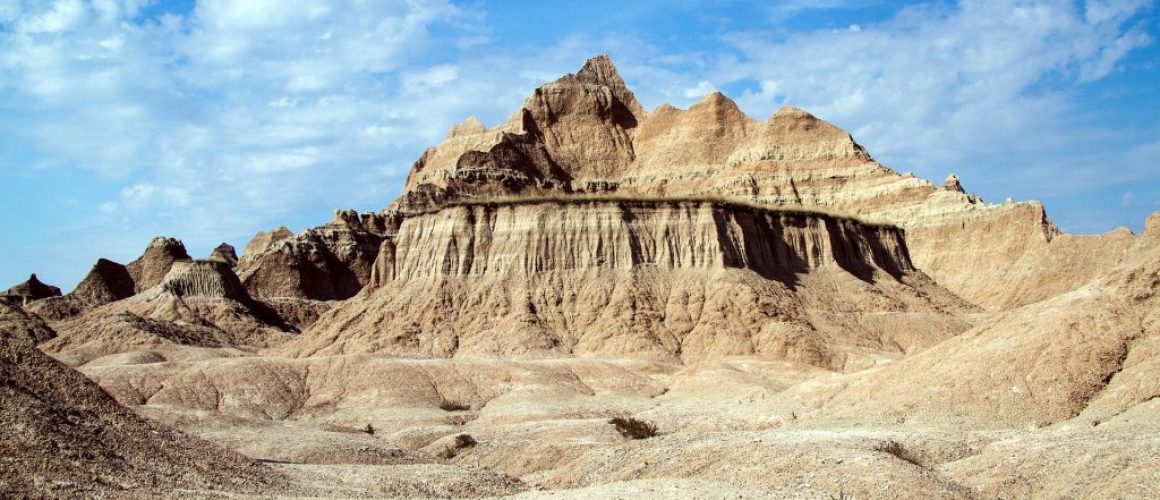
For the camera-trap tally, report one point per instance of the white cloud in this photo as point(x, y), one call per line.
point(149, 196)
point(236, 115)
point(703, 87)
point(1126, 199)
point(938, 85)
point(428, 79)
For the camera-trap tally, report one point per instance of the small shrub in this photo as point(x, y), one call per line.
point(841, 496)
point(632, 428)
point(461, 441)
point(369, 429)
point(448, 405)
point(892, 447)
point(465, 441)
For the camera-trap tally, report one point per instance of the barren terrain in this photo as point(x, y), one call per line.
point(778, 314)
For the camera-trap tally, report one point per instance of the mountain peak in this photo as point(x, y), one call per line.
point(600, 70)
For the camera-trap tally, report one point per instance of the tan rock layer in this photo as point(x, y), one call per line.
point(531, 237)
point(687, 280)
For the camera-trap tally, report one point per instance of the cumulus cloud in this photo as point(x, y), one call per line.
point(939, 85)
point(217, 120)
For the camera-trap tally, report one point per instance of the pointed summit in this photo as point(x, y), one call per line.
point(717, 101)
point(952, 184)
point(599, 70)
point(30, 290)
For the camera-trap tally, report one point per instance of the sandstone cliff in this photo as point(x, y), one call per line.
point(665, 279)
point(586, 133)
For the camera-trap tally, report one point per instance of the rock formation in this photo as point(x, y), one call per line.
point(586, 133)
point(331, 262)
point(225, 253)
point(109, 281)
point(797, 319)
point(65, 437)
point(149, 269)
point(199, 304)
point(29, 291)
point(665, 279)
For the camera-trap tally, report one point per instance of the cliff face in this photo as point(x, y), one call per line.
point(149, 269)
point(534, 237)
point(586, 133)
point(330, 262)
point(687, 280)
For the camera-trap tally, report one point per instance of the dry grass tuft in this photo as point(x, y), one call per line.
point(641, 199)
point(632, 428)
point(452, 450)
point(448, 405)
point(892, 447)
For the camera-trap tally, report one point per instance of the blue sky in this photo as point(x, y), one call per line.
point(210, 120)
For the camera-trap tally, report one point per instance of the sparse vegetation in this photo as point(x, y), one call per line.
point(632, 428)
point(840, 496)
point(892, 447)
point(461, 441)
point(449, 405)
point(577, 198)
point(465, 441)
point(369, 429)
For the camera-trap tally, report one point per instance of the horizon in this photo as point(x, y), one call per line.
point(209, 121)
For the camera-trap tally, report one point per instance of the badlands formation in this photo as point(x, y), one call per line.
point(796, 319)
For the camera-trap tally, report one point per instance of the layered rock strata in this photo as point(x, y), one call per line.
point(586, 133)
point(331, 262)
point(686, 280)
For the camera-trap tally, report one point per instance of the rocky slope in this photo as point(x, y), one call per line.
point(63, 436)
point(1085, 354)
point(198, 304)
